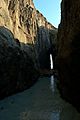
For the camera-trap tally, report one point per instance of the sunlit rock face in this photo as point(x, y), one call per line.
point(19, 16)
point(68, 59)
point(22, 18)
point(28, 25)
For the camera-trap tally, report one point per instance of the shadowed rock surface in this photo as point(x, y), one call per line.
point(17, 70)
point(68, 59)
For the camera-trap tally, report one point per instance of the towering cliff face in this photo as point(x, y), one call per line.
point(27, 24)
point(24, 35)
point(68, 59)
point(21, 17)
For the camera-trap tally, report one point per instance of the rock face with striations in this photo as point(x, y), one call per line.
point(27, 24)
point(23, 30)
point(68, 59)
point(22, 18)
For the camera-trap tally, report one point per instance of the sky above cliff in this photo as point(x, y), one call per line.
point(50, 9)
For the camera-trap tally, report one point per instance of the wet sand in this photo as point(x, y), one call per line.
point(41, 102)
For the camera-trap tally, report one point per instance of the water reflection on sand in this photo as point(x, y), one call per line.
point(41, 102)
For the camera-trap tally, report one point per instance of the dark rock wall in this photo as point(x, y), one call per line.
point(17, 70)
point(46, 40)
point(68, 58)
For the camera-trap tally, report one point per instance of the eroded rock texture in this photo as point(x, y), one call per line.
point(21, 17)
point(25, 35)
point(17, 71)
point(68, 59)
point(28, 25)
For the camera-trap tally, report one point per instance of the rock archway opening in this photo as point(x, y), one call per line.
point(46, 60)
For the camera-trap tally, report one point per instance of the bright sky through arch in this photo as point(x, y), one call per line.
point(50, 9)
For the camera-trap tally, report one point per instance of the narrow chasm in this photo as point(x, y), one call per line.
point(39, 64)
